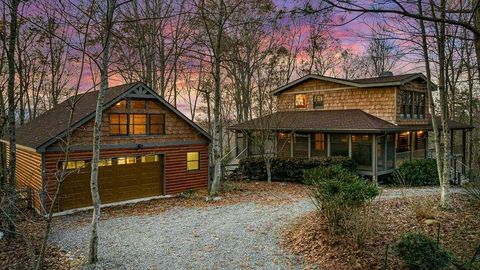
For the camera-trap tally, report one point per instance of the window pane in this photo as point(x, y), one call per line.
point(123, 118)
point(105, 162)
point(153, 105)
point(114, 119)
point(192, 156)
point(121, 160)
point(339, 145)
point(138, 124)
point(71, 165)
point(152, 158)
point(131, 160)
point(300, 146)
point(121, 105)
point(300, 101)
point(157, 129)
point(137, 104)
point(318, 101)
point(157, 119)
point(114, 129)
point(192, 165)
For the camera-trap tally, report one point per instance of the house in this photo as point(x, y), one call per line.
point(148, 149)
point(379, 122)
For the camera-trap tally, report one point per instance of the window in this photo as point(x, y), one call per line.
point(121, 104)
point(126, 160)
point(412, 105)
point(74, 164)
point(300, 101)
point(319, 145)
point(138, 124)
point(193, 161)
point(137, 104)
point(156, 124)
point(105, 162)
point(118, 124)
point(153, 105)
point(339, 145)
point(318, 101)
point(150, 158)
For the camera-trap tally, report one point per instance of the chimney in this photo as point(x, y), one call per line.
point(386, 74)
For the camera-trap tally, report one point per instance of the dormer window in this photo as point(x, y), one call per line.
point(318, 101)
point(300, 101)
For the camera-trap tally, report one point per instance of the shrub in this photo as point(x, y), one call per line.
point(472, 190)
point(343, 198)
point(289, 169)
point(419, 251)
point(421, 172)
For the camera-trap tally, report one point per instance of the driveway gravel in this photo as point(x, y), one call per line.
point(239, 236)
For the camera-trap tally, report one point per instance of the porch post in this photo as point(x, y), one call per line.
point(350, 145)
point(464, 150)
point(374, 159)
point(328, 145)
point(395, 151)
point(426, 144)
point(309, 146)
point(291, 144)
point(411, 144)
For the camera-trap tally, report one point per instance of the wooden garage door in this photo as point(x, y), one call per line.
point(120, 179)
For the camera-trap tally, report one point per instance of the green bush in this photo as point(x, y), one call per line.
point(340, 195)
point(421, 172)
point(419, 251)
point(289, 169)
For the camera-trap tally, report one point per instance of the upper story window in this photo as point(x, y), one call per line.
point(300, 101)
point(412, 105)
point(136, 122)
point(318, 101)
point(137, 104)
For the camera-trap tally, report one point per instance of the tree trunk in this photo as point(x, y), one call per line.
point(11, 211)
point(93, 248)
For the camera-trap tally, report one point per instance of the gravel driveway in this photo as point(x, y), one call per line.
point(226, 237)
point(240, 236)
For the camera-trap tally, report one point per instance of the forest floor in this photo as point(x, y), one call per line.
point(241, 230)
point(457, 228)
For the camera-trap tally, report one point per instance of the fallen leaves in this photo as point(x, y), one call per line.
point(459, 232)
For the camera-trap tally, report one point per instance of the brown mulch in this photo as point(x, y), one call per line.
point(21, 251)
point(459, 232)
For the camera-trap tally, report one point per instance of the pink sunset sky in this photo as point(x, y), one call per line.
point(352, 35)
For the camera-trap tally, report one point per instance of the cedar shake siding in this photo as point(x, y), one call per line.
point(176, 130)
point(176, 177)
point(28, 172)
point(379, 102)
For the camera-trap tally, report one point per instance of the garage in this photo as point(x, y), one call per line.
point(120, 179)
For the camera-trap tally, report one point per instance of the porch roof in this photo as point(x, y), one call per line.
point(347, 121)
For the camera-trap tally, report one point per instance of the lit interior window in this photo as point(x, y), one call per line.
point(300, 101)
point(193, 161)
point(150, 158)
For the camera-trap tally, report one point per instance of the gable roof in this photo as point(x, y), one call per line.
point(354, 120)
point(394, 80)
point(52, 125)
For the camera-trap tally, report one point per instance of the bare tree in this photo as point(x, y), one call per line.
point(108, 23)
point(214, 17)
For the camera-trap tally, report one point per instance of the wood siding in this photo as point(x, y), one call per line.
point(28, 172)
point(379, 102)
point(177, 178)
point(176, 129)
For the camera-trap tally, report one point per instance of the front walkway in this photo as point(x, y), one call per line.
point(244, 235)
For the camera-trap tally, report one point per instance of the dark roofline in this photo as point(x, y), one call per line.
point(351, 83)
point(42, 147)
